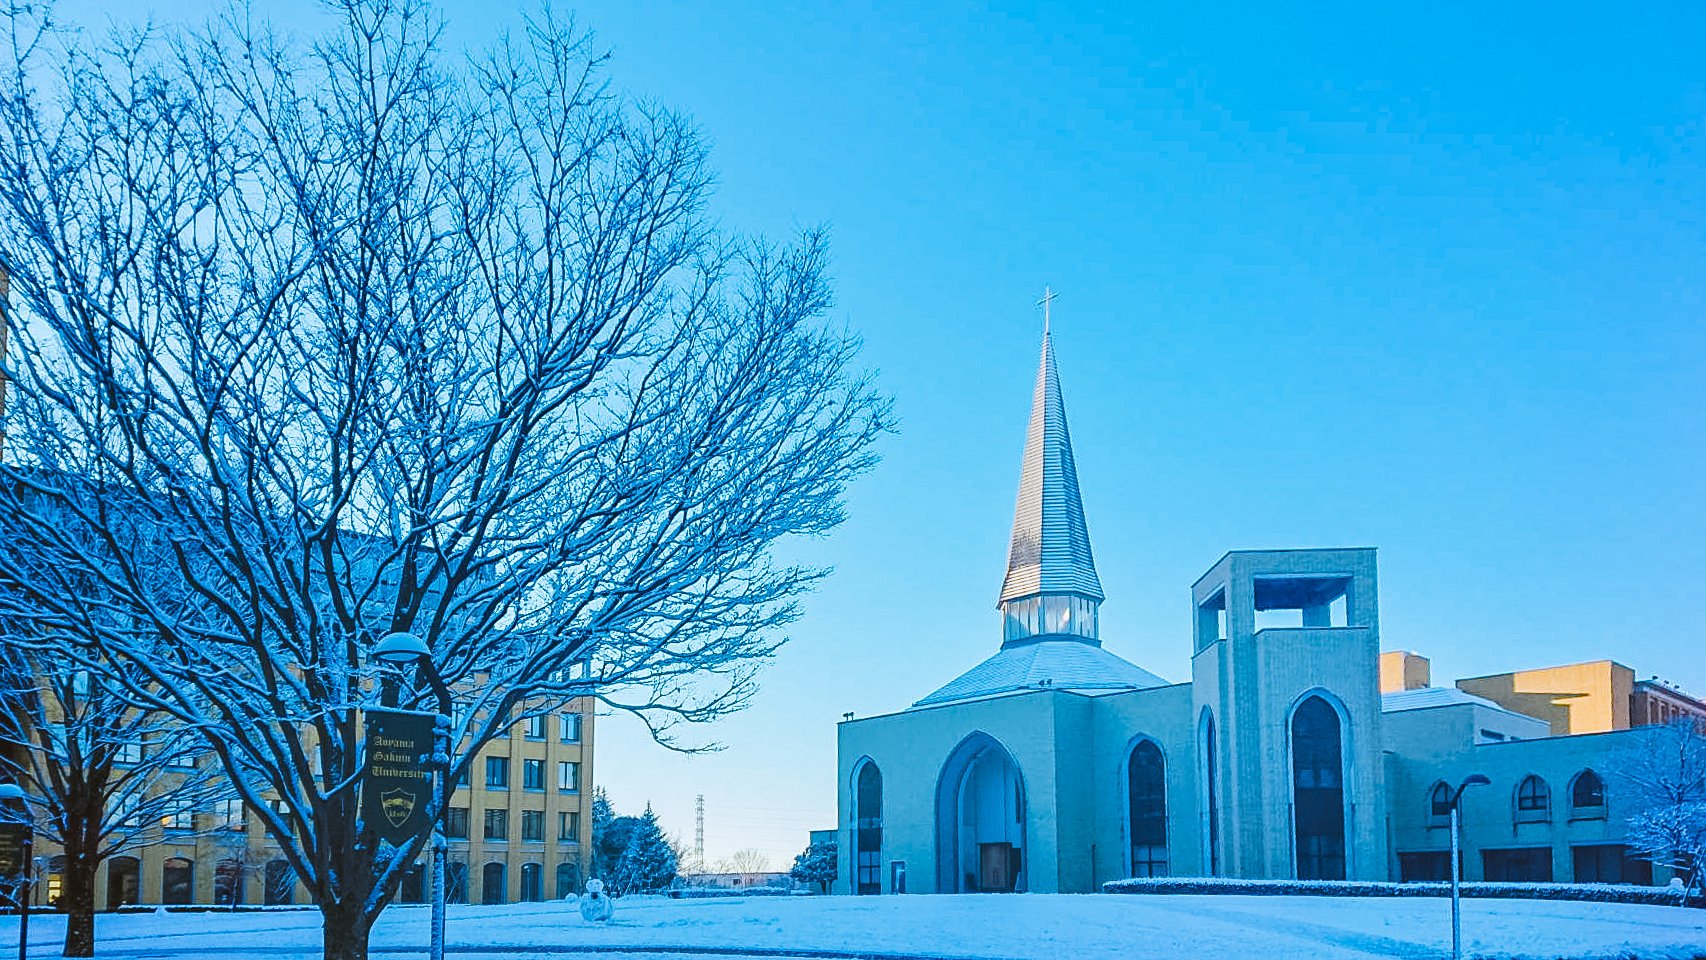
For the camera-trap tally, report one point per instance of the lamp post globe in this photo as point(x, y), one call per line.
point(400, 649)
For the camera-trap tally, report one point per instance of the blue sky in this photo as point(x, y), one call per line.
point(1424, 278)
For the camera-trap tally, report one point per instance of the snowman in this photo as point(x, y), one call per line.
point(596, 905)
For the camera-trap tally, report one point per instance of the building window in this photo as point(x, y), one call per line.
point(868, 830)
point(177, 881)
point(232, 815)
point(568, 877)
point(127, 752)
point(1533, 800)
point(1146, 787)
point(497, 824)
point(492, 884)
point(1423, 865)
point(1318, 791)
point(1205, 734)
point(456, 823)
point(1521, 865)
point(533, 774)
point(1609, 863)
point(532, 883)
point(1587, 796)
point(536, 727)
point(456, 881)
point(178, 816)
point(229, 886)
point(280, 884)
point(533, 826)
point(497, 773)
point(1439, 805)
point(568, 776)
point(571, 727)
point(124, 882)
point(569, 826)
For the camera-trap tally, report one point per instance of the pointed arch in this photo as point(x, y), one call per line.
point(1208, 778)
point(1587, 796)
point(981, 819)
point(1318, 728)
point(867, 788)
point(1146, 809)
point(1439, 804)
point(1532, 800)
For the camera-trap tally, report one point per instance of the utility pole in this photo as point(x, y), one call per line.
point(699, 830)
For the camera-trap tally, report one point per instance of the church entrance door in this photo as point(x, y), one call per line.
point(980, 820)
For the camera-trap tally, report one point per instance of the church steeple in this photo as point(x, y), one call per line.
point(1051, 590)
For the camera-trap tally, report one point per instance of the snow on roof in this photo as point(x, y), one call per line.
point(1425, 697)
point(1064, 664)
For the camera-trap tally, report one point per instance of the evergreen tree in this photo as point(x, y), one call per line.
point(816, 864)
point(649, 861)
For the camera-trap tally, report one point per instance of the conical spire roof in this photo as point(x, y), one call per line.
point(1050, 552)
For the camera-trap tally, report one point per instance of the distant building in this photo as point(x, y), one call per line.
point(1295, 750)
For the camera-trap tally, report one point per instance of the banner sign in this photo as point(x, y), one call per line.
point(396, 786)
point(14, 837)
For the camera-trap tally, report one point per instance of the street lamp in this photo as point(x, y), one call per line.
point(12, 793)
point(1473, 780)
point(402, 650)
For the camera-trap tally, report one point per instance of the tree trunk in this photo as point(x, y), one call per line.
point(78, 901)
point(344, 932)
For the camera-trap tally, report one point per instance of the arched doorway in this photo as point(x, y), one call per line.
point(456, 881)
point(532, 882)
point(980, 820)
point(868, 829)
point(1210, 774)
point(124, 882)
point(568, 879)
point(492, 884)
point(1318, 790)
point(1146, 810)
point(177, 881)
point(412, 888)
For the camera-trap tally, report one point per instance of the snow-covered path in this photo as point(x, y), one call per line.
point(1092, 927)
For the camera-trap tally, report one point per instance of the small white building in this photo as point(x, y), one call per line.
point(1054, 765)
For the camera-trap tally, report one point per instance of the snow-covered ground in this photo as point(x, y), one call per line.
point(1092, 927)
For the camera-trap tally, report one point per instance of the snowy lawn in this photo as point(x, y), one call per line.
point(1089, 927)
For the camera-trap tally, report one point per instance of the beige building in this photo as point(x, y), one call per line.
point(1293, 750)
point(517, 825)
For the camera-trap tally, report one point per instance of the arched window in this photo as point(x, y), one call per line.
point(1146, 787)
point(124, 882)
point(532, 883)
point(1318, 790)
point(412, 888)
point(177, 881)
point(228, 882)
point(492, 883)
point(568, 879)
point(280, 883)
point(1587, 796)
point(1439, 805)
point(868, 830)
point(1210, 774)
point(1533, 800)
point(456, 881)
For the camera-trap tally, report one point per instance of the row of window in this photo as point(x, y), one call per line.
point(532, 775)
point(1591, 863)
point(1532, 800)
point(568, 728)
point(230, 882)
point(496, 825)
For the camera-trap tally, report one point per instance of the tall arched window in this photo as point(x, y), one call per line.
point(280, 883)
point(1439, 805)
point(868, 830)
point(124, 881)
point(568, 875)
point(177, 881)
point(229, 888)
point(1211, 775)
point(1587, 796)
point(1146, 787)
point(492, 884)
point(1318, 790)
point(1533, 800)
point(532, 883)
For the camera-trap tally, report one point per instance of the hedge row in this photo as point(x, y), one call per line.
point(1597, 892)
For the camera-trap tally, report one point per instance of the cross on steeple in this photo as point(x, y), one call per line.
point(1048, 297)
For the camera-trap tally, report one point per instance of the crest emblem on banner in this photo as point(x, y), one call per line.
point(398, 804)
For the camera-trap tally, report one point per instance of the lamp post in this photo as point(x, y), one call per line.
point(1473, 780)
point(12, 793)
point(406, 649)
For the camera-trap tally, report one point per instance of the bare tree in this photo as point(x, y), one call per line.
point(749, 863)
point(1664, 776)
point(370, 340)
point(108, 778)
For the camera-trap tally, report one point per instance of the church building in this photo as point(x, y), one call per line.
point(1055, 766)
